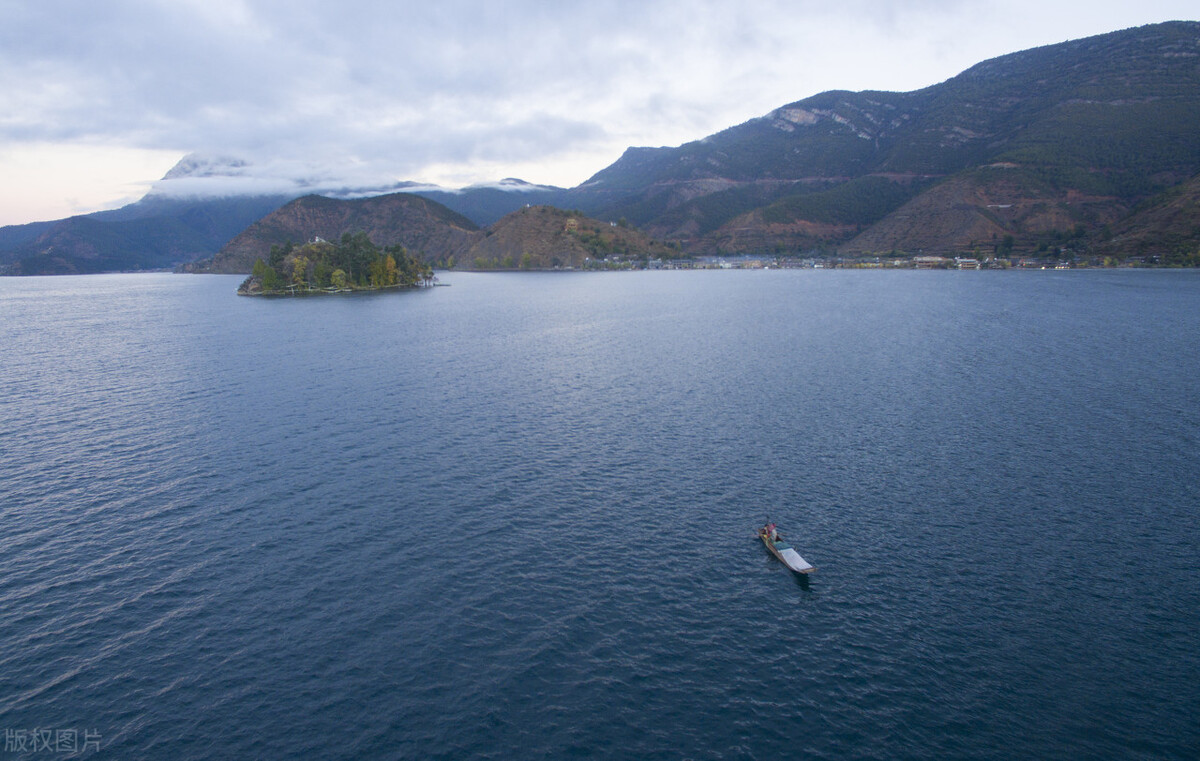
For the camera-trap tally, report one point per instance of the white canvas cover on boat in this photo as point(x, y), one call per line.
point(794, 561)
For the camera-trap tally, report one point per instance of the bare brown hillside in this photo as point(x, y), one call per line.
point(427, 229)
point(543, 237)
point(977, 211)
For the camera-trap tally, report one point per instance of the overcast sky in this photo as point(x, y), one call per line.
point(99, 98)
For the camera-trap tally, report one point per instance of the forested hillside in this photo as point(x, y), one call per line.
point(1068, 135)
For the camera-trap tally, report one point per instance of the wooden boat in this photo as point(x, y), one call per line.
point(782, 550)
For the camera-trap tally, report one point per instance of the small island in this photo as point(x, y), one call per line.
point(354, 264)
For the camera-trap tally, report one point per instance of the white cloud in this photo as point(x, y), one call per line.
point(457, 92)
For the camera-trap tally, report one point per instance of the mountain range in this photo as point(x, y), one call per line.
point(426, 228)
point(540, 237)
point(1088, 146)
point(1032, 144)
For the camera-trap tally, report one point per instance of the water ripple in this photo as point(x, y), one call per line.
point(514, 518)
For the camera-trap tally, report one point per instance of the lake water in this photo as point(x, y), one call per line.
point(514, 517)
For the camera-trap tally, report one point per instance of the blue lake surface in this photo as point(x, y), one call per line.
point(514, 518)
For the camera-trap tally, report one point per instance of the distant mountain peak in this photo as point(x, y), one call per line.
point(200, 165)
point(510, 184)
point(199, 174)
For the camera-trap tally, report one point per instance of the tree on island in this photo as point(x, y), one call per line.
point(354, 263)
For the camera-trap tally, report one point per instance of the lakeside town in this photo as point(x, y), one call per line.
point(751, 262)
